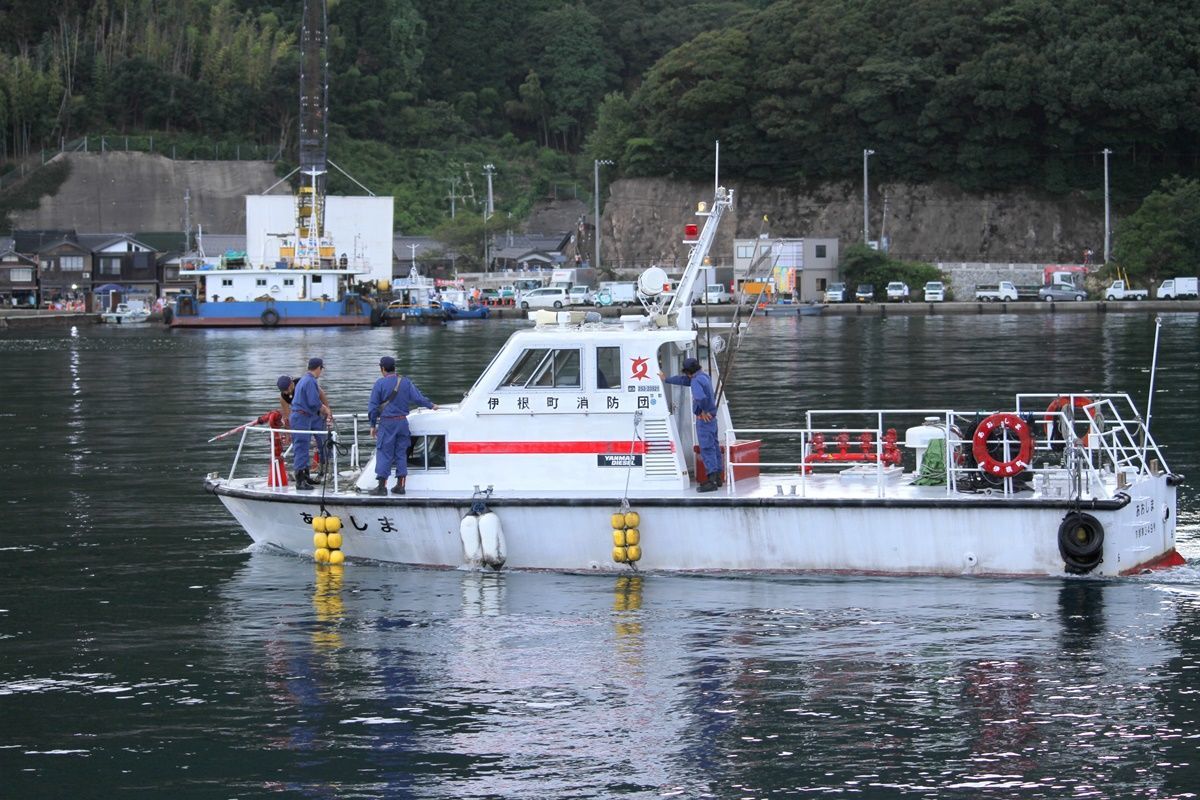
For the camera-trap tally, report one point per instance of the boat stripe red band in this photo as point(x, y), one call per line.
point(545, 448)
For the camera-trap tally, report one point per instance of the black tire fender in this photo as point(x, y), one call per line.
point(269, 318)
point(1081, 542)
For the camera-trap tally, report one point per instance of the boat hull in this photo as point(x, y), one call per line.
point(697, 533)
point(256, 322)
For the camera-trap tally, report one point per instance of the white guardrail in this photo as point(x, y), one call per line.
point(1097, 434)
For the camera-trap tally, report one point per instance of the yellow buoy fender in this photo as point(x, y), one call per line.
point(320, 540)
point(337, 557)
point(618, 537)
point(619, 555)
point(333, 541)
point(321, 555)
point(319, 524)
point(468, 531)
point(634, 552)
point(491, 537)
point(333, 524)
point(618, 520)
point(632, 537)
point(632, 520)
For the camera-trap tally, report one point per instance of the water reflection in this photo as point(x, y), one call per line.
point(552, 685)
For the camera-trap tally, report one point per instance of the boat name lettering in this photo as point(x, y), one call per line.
point(581, 403)
point(493, 402)
point(357, 527)
point(631, 460)
point(614, 401)
point(386, 525)
point(643, 401)
point(522, 403)
point(551, 402)
point(561, 403)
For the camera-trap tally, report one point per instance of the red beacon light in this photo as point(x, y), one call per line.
point(691, 230)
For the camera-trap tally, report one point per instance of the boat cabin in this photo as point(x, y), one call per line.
point(577, 406)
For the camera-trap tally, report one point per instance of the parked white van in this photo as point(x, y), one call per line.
point(549, 297)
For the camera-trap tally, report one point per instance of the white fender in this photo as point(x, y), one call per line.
point(491, 536)
point(468, 531)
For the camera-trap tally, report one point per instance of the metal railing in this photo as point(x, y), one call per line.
point(1091, 440)
point(269, 439)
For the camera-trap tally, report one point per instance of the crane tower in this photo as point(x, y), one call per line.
point(312, 245)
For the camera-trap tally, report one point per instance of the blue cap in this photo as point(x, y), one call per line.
point(284, 382)
point(388, 363)
point(691, 365)
point(314, 363)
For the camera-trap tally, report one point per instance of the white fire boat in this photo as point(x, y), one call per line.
point(570, 454)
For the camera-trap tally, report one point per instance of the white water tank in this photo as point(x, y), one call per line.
point(918, 438)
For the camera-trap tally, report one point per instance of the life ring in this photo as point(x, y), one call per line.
point(989, 464)
point(1061, 402)
point(269, 318)
point(1080, 542)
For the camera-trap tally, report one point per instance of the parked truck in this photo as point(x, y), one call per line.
point(1120, 290)
point(1004, 291)
point(617, 293)
point(566, 278)
point(1179, 289)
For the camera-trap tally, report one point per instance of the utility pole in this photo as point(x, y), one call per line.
point(866, 223)
point(883, 242)
point(596, 197)
point(453, 193)
point(187, 221)
point(1107, 212)
point(488, 210)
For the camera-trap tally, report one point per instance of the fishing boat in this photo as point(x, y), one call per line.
point(126, 314)
point(414, 302)
point(569, 453)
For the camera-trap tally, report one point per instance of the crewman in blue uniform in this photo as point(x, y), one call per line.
point(309, 413)
point(391, 399)
point(704, 406)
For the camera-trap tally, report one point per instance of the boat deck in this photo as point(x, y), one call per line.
point(855, 489)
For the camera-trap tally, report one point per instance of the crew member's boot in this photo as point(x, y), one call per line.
point(709, 485)
point(399, 487)
point(380, 489)
point(302, 483)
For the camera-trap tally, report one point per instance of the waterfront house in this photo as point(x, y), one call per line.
point(18, 277)
point(125, 268)
point(65, 272)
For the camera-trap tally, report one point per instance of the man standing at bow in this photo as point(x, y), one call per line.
point(309, 413)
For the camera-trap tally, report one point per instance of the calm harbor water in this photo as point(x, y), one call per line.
point(145, 649)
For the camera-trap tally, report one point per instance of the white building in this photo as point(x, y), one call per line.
point(804, 267)
point(359, 227)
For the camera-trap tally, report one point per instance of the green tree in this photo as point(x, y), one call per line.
point(861, 264)
point(1162, 238)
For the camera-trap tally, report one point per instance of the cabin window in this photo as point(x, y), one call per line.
point(260, 281)
point(316, 279)
point(544, 369)
point(227, 281)
point(289, 281)
point(70, 263)
point(608, 367)
point(427, 452)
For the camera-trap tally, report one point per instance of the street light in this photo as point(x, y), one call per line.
point(866, 224)
point(596, 170)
